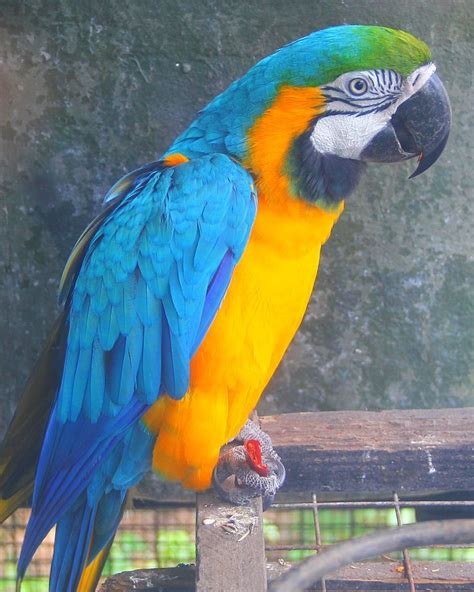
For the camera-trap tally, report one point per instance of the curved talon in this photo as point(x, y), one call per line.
point(280, 473)
point(248, 471)
point(230, 489)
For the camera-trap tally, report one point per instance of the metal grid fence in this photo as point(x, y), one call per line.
point(165, 536)
point(160, 537)
point(326, 523)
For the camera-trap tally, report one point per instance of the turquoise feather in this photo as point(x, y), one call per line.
point(135, 310)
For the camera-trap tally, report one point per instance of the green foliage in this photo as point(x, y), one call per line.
point(174, 546)
point(271, 531)
point(38, 584)
point(128, 549)
point(340, 525)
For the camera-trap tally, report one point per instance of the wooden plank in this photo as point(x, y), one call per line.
point(374, 576)
point(358, 452)
point(154, 488)
point(361, 453)
point(230, 546)
point(440, 576)
point(171, 579)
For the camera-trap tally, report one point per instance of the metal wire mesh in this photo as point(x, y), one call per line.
point(348, 519)
point(165, 536)
point(146, 538)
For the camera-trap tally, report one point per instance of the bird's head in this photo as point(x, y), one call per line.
point(342, 97)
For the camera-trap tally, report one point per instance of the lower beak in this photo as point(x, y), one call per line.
point(419, 127)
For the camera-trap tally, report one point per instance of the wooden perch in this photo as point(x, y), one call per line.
point(230, 546)
point(355, 453)
point(359, 452)
point(170, 579)
point(430, 576)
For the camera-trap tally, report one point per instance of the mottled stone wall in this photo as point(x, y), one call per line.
point(90, 90)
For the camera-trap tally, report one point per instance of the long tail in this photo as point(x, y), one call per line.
point(83, 540)
point(84, 534)
point(20, 449)
point(85, 531)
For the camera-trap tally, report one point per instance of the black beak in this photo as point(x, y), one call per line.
point(419, 127)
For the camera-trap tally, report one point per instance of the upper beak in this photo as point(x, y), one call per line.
point(419, 127)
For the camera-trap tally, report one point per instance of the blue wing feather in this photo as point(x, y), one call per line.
point(142, 298)
point(215, 293)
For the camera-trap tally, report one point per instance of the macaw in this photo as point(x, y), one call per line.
point(181, 297)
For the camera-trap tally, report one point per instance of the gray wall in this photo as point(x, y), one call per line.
point(88, 92)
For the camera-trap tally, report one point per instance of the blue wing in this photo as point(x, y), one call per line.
point(142, 288)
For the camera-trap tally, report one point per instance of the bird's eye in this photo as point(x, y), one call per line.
point(358, 86)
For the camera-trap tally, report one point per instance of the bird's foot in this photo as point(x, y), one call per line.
point(249, 470)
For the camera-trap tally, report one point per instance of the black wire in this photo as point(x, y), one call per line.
point(312, 569)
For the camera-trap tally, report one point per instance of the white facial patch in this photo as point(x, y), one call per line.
point(347, 136)
point(355, 119)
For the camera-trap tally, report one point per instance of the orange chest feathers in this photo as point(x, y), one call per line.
point(273, 281)
point(260, 313)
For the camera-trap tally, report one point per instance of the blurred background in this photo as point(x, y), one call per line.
point(89, 91)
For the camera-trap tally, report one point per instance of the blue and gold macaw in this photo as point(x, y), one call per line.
point(181, 297)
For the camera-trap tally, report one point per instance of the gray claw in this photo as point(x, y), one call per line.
point(238, 479)
point(252, 431)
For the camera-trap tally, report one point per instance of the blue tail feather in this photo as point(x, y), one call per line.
point(71, 548)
